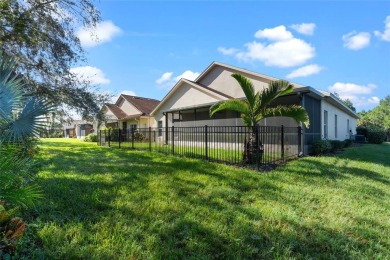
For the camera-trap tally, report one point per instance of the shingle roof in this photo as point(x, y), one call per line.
point(116, 110)
point(145, 105)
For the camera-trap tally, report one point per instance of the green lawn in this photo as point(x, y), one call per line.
point(107, 203)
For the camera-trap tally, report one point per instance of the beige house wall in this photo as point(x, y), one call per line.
point(128, 108)
point(142, 122)
point(185, 96)
point(220, 79)
point(342, 122)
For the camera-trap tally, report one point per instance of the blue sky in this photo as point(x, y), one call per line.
point(144, 47)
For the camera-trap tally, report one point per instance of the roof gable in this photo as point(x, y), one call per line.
point(144, 105)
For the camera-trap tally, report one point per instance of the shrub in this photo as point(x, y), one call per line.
point(347, 142)
point(377, 137)
point(336, 145)
point(91, 138)
point(139, 137)
point(362, 130)
point(321, 147)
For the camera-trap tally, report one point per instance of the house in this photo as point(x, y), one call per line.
point(188, 103)
point(129, 112)
point(77, 129)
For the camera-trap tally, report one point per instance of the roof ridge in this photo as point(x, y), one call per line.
point(138, 97)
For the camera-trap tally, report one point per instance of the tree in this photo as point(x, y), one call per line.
point(346, 102)
point(377, 117)
point(41, 34)
point(257, 106)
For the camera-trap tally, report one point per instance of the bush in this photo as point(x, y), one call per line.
point(139, 137)
point(91, 138)
point(347, 142)
point(321, 147)
point(336, 145)
point(362, 130)
point(377, 137)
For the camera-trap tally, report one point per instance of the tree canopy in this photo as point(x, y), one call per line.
point(41, 35)
point(379, 116)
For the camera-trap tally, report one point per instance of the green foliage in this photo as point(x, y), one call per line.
point(139, 137)
point(257, 105)
point(126, 204)
point(347, 142)
point(336, 145)
point(321, 147)
point(379, 116)
point(91, 138)
point(376, 137)
point(362, 130)
point(42, 35)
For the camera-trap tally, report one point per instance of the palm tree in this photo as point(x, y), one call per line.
point(21, 118)
point(256, 107)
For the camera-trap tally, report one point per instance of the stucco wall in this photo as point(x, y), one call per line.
point(129, 108)
point(342, 118)
point(220, 79)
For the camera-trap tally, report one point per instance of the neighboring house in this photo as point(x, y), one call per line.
point(129, 112)
point(188, 103)
point(77, 129)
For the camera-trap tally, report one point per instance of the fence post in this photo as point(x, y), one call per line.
point(299, 140)
point(119, 137)
point(132, 137)
point(150, 138)
point(173, 140)
point(206, 141)
point(257, 147)
point(282, 142)
point(100, 137)
point(109, 137)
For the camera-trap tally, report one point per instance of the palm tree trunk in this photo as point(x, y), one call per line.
point(253, 151)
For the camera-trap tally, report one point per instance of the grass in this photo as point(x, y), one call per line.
point(105, 203)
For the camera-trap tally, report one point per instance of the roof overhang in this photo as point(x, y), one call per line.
point(192, 84)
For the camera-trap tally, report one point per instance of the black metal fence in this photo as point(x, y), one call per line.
point(226, 144)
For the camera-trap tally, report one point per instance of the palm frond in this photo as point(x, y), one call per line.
point(28, 123)
point(296, 112)
point(11, 87)
point(275, 89)
point(231, 104)
point(247, 87)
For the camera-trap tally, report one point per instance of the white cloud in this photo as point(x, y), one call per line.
point(92, 74)
point(356, 41)
point(305, 71)
point(187, 75)
point(386, 33)
point(128, 92)
point(227, 51)
point(125, 92)
point(281, 50)
point(304, 28)
point(359, 95)
point(166, 81)
point(278, 33)
point(344, 89)
point(165, 77)
point(293, 52)
point(103, 32)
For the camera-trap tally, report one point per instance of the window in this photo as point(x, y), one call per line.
point(133, 126)
point(348, 126)
point(325, 124)
point(124, 125)
point(160, 126)
point(335, 126)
